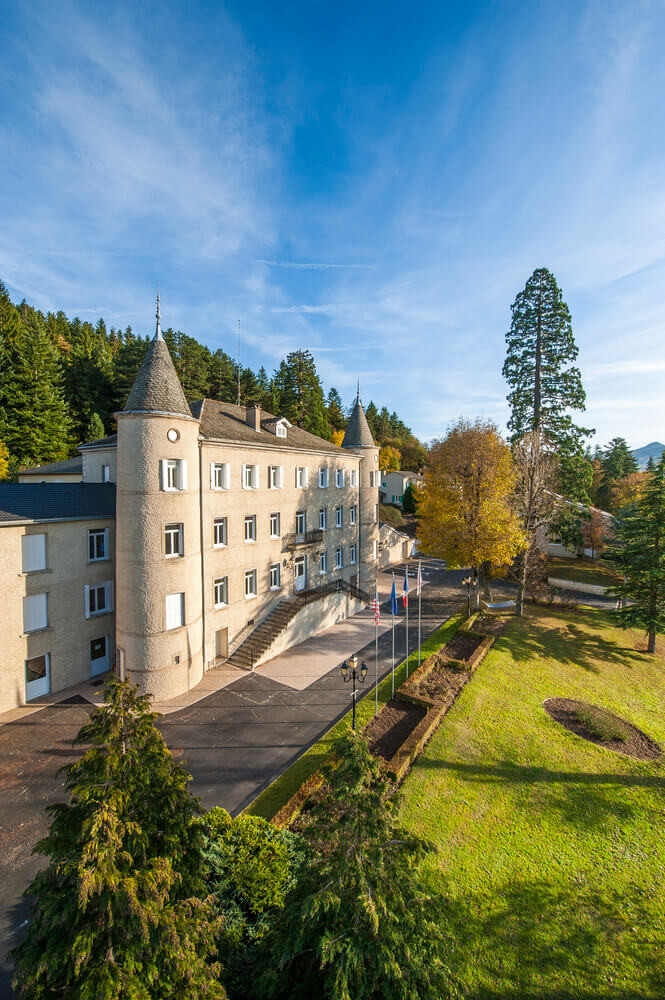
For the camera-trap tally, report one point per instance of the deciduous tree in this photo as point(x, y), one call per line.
point(389, 459)
point(533, 504)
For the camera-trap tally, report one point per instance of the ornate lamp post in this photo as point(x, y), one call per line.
point(468, 582)
point(350, 673)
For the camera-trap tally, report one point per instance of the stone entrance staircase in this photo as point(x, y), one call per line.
point(260, 639)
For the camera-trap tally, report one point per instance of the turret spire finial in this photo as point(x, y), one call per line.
point(358, 393)
point(158, 331)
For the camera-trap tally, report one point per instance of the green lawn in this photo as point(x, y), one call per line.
point(551, 850)
point(281, 790)
point(581, 571)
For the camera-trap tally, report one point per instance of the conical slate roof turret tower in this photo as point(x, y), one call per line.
point(358, 438)
point(157, 387)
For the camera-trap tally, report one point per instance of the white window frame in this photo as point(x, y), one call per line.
point(250, 520)
point(280, 429)
point(301, 516)
point(339, 517)
point(251, 577)
point(323, 563)
point(275, 576)
point(88, 601)
point(220, 476)
point(220, 588)
point(339, 478)
point(250, 477)
point(220, 525)
point(376, 512)
point(339, 557)
point(323, 518)
point(353, 477)
point(106, 473)
point(374, 478)
point(275, 477)
point(95, 533)
point(353, 514)
point(302, 477)
point(353, 554)
point(35, 613)
point(177, 466)
point(33, 552)
point(375, 548)
point(277, 518)
point(173, 603)
point(178, 535)
point(323, 477)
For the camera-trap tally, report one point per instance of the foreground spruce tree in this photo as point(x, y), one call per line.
point(115, 913)
point(638, 553)
point(358, 924)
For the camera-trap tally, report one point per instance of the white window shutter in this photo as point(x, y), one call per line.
point(244, 472)
point(280, 475)
point(106, 544)
point(226, 476)
point(86, 601)
point(212, 475)
point(109, 595)
point(162, 473)
point(183, 474)
point(256, 476)
point(306, 477)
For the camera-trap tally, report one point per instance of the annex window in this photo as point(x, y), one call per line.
point(353, 514)
point(173, 474)
point(221, 589)
point(173, 540)
point(323, 477)
point(339, 477)
point(250, 477)
point(98, 600)
point(339, 516)
point(301, 477)
point(274, 525)
point(250, 528)
point(106, 473)
point(219, 527)
point(275, 477)
point(323, 563)
point(35, 612)
point(353, 477)
point(353, 555)
point(301, 522)
point(275, 576)
point(339, 557)
point(33, 553)
point(323, 517)
point(175, 611)
point(219, 476)
point(97, 544)
point(250, 584)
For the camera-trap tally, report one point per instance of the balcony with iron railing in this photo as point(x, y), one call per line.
point(298, 539)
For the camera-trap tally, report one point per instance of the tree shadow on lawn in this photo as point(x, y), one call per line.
point(528, 940)
point(567, 642)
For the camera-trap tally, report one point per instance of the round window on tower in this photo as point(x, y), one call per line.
point(172, 434)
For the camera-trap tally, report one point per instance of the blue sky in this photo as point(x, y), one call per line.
point(374, 181)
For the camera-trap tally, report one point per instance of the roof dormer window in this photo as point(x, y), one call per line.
point(280, 428)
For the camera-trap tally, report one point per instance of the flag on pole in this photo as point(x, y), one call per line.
point(393, 599)
point(405, 588)
point(419, 579)
point(376, 607)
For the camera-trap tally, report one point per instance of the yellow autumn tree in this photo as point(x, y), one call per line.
point(337, 437)
point(465, 511)
point(389, 459)
point(4, 460)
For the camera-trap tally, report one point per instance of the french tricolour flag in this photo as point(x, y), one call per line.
point(405, 588)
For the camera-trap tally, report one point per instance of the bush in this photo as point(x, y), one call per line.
point(391, 515)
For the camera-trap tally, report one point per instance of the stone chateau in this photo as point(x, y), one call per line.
point(198, 533)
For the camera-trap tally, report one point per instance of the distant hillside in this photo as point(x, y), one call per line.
point(653, 450)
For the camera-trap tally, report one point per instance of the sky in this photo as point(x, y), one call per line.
point(372, 181)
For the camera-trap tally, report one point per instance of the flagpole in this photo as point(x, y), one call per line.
point(393, 666)
point(420, 595)
point(376, 651)
point(407, 634)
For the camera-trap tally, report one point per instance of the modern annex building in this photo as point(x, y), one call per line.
point(196, 534)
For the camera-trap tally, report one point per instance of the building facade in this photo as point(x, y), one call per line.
point(223, 518)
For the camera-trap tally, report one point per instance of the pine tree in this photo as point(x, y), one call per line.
point(617, 463)
point(299, 395)
point(95, 429)
point(638, 552)
point(335, 409)
point(115, 914)
point(222, 377)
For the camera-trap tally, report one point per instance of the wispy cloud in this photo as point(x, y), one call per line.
point(311, 265)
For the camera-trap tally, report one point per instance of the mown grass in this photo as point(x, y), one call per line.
point(551, 849)
point(280, 791)
point(582, 572)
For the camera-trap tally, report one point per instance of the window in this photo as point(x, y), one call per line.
point(250, 584)
point(221, 588)
point(33, 553)
point(219, 476)
point(339, 558)
point(36, 668)
point(98, 599)
point(353, 513)
point(106, 473)
point(376, 512)
point(97, 544)
point(300, 522)
point(339, 515)
point(374, 479)
point(280, 429)
point(275, 477)
point(175, 611)
point(274, 525)
point(353, 477)
point(323, 519)
point(250, 528)
point(353, 555)
point(35, 613)
point(375, 549)
point(323, 477)
point(173, 474)
point(323, 563)
point(173, 540)
point(301, 477)
point(219, 532)
point(275, 576)
point(250, 477)
point(339, 477)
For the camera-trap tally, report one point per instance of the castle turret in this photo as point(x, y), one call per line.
point(358, 438)
point(158, 548)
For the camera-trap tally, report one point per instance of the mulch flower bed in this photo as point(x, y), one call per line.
point(631, 740)
point(462, 646)
point(490, 625)
point(390, 728)
point(443, 683)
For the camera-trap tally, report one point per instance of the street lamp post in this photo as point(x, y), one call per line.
point(467, 582)
point(350, 673)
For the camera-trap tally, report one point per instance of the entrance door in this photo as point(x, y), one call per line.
point(37, 676)
point(299, 573)
point(222, 643)
point(99, 656)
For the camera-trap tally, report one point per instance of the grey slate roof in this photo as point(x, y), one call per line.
point(106, 442)
point(67, 467)
point(56, 501)
point(157, 387)
point(228, 422)
point(358, 434)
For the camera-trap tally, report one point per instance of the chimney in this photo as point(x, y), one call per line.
point(254, 417)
